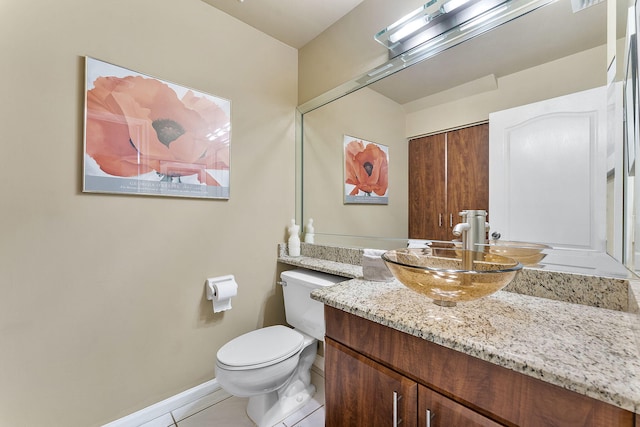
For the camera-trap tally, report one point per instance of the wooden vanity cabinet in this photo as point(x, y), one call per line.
point(366, 362)
point(363, 392)
point(448, 173)
point(435, 410)
point(389, 398)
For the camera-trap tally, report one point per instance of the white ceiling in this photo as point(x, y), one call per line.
point(293, 22)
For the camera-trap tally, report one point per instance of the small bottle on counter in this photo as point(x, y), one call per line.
point(293, 244)
point(309, 232)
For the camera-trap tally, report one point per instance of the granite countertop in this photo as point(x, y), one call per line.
point(590, 350)
point(332, 267)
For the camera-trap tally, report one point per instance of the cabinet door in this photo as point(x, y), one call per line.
point(467, 171)
point(427, 197)
point(361, 392)
point(435, 410)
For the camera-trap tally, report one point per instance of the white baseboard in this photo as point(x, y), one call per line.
point(166, 406)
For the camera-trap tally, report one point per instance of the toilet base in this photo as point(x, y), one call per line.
point(267, 410)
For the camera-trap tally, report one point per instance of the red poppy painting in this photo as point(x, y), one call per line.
point(147, 136)
point(366, 171)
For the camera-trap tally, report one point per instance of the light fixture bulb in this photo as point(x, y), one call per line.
point(407, 29)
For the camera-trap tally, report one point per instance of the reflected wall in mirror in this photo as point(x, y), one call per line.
point(370, 116)
point(547, 53)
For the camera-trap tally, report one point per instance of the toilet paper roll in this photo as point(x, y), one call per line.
point(220, 290)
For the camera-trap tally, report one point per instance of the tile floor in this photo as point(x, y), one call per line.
point(220, 409)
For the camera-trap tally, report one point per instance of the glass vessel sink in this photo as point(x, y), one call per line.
point(449, 275)
point(525, 253)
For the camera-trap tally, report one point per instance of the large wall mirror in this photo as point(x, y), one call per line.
point(544, 54)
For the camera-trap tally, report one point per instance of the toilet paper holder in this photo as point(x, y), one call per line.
point(220, 290)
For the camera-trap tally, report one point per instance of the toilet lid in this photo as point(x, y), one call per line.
point(271, 344)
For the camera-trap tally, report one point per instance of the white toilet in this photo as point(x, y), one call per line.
point(272, 365)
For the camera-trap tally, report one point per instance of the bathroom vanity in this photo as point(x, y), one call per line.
point(391, 355)
point(370, 369)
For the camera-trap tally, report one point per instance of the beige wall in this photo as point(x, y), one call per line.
point(367, 115)
point(102, 306)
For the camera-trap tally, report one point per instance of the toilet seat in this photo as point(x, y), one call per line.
point(260, 348)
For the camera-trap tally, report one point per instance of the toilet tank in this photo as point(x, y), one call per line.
point(304, 313)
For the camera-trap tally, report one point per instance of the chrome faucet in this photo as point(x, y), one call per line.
point(473, 229)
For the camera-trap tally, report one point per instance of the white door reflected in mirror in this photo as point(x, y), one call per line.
point(547, 175)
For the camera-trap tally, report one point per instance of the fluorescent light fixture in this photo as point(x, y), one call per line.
point(441, 24)
point(405, 19)
point(407, 29)
point(431, 20)
point(409, 23)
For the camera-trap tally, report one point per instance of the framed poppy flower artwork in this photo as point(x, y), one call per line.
point(146, 136)
point(366, 172)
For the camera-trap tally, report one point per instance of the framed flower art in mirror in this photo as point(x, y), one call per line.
point(366, 172)
point(146, 136)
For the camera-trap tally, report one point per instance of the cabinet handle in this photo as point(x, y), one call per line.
point(396, 398)
point(429, 417)
point(439, 220)
point(450, 220)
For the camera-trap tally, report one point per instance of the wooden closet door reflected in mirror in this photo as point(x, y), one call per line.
point(448, 173)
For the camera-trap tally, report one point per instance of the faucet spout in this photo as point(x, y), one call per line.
point(460, 229)
point(473, 229)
